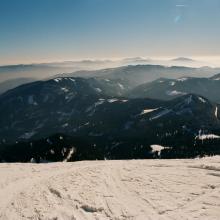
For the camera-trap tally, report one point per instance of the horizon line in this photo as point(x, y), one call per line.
point(115, 59)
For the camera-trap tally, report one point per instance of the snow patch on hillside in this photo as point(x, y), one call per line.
point(182, 79)
point(71, 152)
point(98, 90)
point(71, 79)
point(172, 83)
point(112, 100)
point(64, 89)
point(146, 111)
point(161, 114)
point(216, 112)
point(175, 93)
point(157, 149)
point(202, 100)
point(58, 80)
point(121, 86)
point(207, 136)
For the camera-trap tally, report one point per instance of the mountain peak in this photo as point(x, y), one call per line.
point(183, 59)
point(216, 77)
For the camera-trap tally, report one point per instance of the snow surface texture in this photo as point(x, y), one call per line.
point(116, 190)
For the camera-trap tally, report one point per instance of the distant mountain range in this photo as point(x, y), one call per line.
point(139, 74)
point(46, 70)
point(95, 118)
point(183, 59)
point(133, 75)
point(167, 89)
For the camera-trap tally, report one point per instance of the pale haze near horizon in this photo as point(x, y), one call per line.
point(55, 30)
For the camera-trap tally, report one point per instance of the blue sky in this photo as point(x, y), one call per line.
point(51, 30)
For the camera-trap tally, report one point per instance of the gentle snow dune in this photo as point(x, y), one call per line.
point(116, 190)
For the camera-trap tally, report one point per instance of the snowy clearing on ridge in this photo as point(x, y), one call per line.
point(116, 190)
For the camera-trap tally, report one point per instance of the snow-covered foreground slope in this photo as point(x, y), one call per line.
point(138, 189)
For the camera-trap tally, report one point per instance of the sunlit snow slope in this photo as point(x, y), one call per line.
point(138, 189)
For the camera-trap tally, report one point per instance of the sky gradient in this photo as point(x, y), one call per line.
point(53, 30)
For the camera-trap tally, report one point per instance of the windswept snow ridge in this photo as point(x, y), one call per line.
point(110, 190)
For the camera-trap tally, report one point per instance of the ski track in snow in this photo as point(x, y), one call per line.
point(113, 190)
